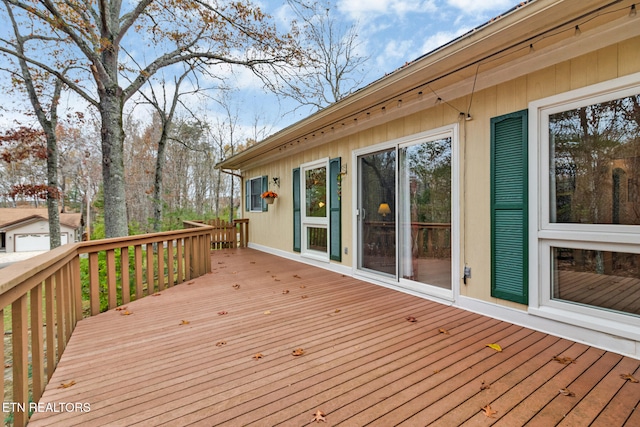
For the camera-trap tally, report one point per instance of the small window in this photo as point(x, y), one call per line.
point(255, 189)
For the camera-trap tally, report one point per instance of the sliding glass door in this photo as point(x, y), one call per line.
point(377, 212)
point(404, 211)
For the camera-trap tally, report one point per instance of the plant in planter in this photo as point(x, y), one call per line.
point(269, 196)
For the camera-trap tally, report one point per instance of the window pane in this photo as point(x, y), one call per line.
point(377, 205)
point(425, 214)
point(603, 279)
point(316, 192)
point(595, 163)
point(256, 190)
point(317, 239)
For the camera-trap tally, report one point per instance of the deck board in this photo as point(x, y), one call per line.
point(364, 363)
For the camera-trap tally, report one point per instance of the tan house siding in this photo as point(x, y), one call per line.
point(274, 228)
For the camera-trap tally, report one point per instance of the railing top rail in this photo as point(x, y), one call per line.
point(20, 271)
point(141, 239)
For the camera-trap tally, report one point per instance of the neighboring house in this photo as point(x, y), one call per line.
point(27, 229)
point(498, 173)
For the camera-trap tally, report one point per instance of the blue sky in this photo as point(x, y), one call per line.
point(391, 33)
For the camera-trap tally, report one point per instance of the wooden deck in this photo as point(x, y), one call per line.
point(364, 363)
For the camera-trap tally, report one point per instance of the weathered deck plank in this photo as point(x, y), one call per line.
point(364, 363)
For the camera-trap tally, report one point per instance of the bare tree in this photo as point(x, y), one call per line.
point(174, 31)
point(335, 67)
point(47, 118)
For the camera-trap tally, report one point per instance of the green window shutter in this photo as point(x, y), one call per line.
point(297, 221)
point(247, 195)
point(509, 199)
point(265, 187)
point(335, 227)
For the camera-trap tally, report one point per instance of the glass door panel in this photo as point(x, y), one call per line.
point(425, 212)
point(377, 212)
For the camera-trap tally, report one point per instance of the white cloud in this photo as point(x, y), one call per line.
point(365, 9)
point(395, 51)
point(471, 7)
point(440, 38)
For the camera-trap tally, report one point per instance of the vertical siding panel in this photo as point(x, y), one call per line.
point(608, 63)
point(628, 58)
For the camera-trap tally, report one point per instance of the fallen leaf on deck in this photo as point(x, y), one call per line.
point(563, 360)
point(443, 331)
point(121, 308)
point(337, 310)
point(566, 392)
point(67, 385)
point(252, 262)
point(267, 312)
point(412, 319)
point(286, 291)
point(276, 280)
point(484, 386)
point(222, 313)
point(496, 347)
point(184, 322)
point(319, 416)
point(298, 352)
point(191, 283)
point(258, 356)
point(628, 377)
point(302, 286)
point(220, 343)
point(489, 412)
point(297, 277)
point(304, 296)
point(157, 294)
point(220, 262)
point(236, 286)
point(126, 313)
point(234, 272)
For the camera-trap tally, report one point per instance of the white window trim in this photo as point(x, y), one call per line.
point(544, 235)
point(314, 222)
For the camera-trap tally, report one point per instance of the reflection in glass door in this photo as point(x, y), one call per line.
point(377, 212)
point(409, 236)
point(424, 209)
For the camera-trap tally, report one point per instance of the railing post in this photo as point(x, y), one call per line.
point(37, 349)
point(112, 295)
point(94, 284)
point(160, 266)
point(150, 281)
point(124, 275)
point(170, 261)
point(138, 261)
point(19, 334)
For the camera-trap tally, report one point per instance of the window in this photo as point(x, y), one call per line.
point(317, 210)
point(254, 188)
point(315, 221)
point(588, 213)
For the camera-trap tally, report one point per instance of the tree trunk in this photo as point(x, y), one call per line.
point(52, 194)
point(112, 134)
point(157, 183)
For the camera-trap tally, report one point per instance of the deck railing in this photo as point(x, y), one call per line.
point(227, 234)
point(47, 295)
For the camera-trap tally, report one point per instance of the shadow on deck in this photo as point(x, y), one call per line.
point(189, 356)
